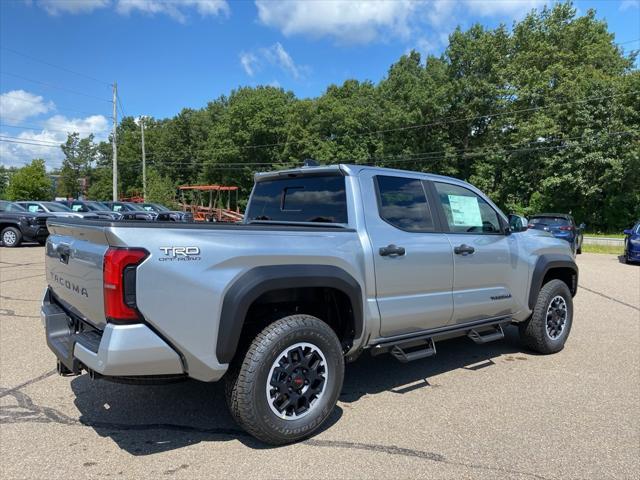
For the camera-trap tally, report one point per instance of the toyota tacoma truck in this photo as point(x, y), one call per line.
point(328, 262)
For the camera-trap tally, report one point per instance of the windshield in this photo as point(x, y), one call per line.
point(155, 207)
point(135, 206)
point(549, 221)
point(97, 206)
point(11, 207)
point(300, 199)
point(56, 207)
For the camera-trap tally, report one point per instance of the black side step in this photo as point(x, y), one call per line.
point(496, 333)
point(427, 349)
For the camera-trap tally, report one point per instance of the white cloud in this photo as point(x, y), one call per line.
point(45, 143)
point(56, 7)
point(629, 4)
point(17, 105)
point(275, 56)
point(249, 62)
point(511, 8)
point(348, 21)
point(176, 9)
point(173, 8)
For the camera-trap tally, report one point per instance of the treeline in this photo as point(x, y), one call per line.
point(542, 116)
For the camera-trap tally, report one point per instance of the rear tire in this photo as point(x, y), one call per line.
point(11, 237)
point(288, 383)
point(548, 328)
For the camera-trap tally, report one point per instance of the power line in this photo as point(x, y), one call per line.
point(400, 158)
point(29, 143)
point(442, 122)
point(49, 85)
point(29, 127)
point(49, 142)
point(54, 65)
point(56, 107)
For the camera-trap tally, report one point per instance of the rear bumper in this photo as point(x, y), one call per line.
point(117, 351)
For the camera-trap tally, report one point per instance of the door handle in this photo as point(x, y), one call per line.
point(64, 251)
point(391, 251)
point(463, 249)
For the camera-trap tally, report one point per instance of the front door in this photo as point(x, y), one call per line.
point(413, 262)
point(484, 260)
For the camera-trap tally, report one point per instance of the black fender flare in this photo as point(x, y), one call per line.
point(259, 280)
point(548, 262)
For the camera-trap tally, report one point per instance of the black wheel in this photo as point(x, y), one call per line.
point(288, 383)
point(42, 241)
point(579, 250)
point(11, 237)
point(548, 328)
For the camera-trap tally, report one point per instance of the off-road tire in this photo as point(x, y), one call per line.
point(533, 332)
point(17, 235)
point(246, 380)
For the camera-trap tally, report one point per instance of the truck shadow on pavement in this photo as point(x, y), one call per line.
point(148, 419)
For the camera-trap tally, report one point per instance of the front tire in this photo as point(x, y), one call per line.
point(11, 237)
point(289, 380)
point(548, 328)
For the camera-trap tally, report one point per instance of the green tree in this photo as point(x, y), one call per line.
point(30, 182)
point(160, 189)
point(5, 176)
point(79, 153)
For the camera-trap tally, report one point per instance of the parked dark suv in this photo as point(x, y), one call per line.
point(18, 224)
point(560, 225)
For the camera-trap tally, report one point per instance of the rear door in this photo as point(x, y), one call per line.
point(484, 258)
point(412, 258)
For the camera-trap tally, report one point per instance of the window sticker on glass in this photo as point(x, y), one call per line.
point(465, 210)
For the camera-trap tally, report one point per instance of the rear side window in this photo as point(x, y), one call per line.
point(403, 204)
point(465, 211)
point(300, 199)
point(550, 221)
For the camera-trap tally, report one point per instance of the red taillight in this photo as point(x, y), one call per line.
point(531, 225)
point(566, 228)
point(118, 276)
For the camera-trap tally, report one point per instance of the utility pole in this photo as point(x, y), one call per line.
point(144, 162)
point(114, 142)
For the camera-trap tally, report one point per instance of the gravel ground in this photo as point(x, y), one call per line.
point(495, 411)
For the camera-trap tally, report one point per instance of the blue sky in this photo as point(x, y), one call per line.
point(170, 54)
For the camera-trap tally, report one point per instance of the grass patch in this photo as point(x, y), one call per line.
point(608, 249)
point(605, 235)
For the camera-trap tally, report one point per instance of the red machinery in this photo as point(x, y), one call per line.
point(216, 210)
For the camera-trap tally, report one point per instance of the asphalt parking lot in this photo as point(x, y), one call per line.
point(493, 411)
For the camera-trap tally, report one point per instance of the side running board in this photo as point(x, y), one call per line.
point(404, 355)
point(496, 333)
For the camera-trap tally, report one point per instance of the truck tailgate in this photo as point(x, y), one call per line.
point(73, 263)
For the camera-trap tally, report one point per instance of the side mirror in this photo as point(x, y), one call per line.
point(583, 226)
point(627, 231)
point(516, 224)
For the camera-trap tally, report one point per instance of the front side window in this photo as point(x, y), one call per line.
point(465, 211)
point(403, 204)
point(34, 208)
point(300, 199)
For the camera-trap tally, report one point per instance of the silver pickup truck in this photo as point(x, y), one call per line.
point(329, 261)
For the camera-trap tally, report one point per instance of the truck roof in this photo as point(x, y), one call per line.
point(350, 169)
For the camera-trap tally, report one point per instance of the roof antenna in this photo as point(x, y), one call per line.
point(310, 162)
